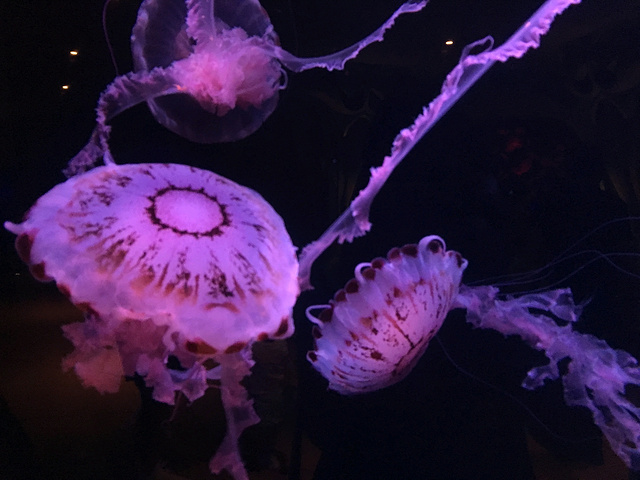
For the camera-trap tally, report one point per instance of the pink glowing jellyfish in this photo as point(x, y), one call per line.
point(166, 260)
point(210, 71)
point(376, 328)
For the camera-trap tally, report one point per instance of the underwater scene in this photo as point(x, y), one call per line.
point(320, 240)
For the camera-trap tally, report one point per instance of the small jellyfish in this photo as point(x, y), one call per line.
point(375, 330)
point(378, 326)
point(209, 71)
point(230, 82)
point(168, 262)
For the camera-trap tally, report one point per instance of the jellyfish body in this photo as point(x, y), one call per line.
point(166, 261)
point(220, 59)
point(210, 71)
point(379, 325)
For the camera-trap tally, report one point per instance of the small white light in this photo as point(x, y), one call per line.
point(73, 53)
point(449, 42)
point(65, 87)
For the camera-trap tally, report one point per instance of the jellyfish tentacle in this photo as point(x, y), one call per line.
point(308, 312)
point(123, 93)
point(238, 408)
point(106, 36)
point(338, 59)
point(354, 221)
point(603, 379)
point(86, 158)
point(134, 88)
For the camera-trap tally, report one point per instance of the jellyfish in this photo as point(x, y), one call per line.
point(167, 262)
point(209, 71)
point(376, 328)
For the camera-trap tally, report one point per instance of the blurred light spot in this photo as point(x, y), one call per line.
point(449, 42)
point(65, 87)
point(73, 53)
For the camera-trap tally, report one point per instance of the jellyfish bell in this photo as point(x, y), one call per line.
point(161, 239)
point(210, 71)
point(230, 82)
point(378, 326)
point(166, 261)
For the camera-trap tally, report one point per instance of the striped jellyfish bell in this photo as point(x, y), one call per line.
point(378, 326)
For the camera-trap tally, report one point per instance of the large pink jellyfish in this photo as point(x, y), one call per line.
point(375, 329)
point(210, 71)
point(166, 260)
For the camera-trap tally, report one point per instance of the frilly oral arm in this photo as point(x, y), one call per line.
point(337, 60)
point(124, 92)
point(354, 221)
point(604, 380)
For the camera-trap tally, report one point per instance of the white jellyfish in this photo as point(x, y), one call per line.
point(166, 260)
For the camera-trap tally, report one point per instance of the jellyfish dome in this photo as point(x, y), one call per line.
point(231, 83)
point(166, 261)
point(378, 326)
